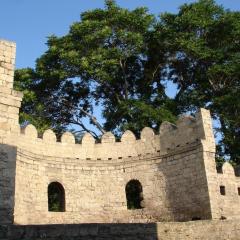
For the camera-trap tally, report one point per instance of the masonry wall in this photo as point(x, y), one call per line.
point(229, 203)
point(10, 101)
point(222, 206)
point(174, 184)
point(7, 182)
point(173, 189)
point(95, 175)
point(214, 230)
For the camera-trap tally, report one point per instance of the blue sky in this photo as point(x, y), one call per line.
point(29, 22)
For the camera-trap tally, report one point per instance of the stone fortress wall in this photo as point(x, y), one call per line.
point(175, 167)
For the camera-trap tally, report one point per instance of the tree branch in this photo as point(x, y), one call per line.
point(155, 71)
point(93, 120)
point(90, 116)
point(122, 65)
point(80, 123)
point(109, 87)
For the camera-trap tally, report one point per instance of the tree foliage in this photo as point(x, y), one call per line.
point(206, 64)
point(121, 60)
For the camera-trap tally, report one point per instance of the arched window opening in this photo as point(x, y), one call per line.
point(56, 197)
point(134, 194)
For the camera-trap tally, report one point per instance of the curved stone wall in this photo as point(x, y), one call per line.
point(170, 167)
point(95, 189)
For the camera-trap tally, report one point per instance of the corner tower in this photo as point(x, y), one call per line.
point(10, 102)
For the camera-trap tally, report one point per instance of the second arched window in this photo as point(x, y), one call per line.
point(134, 194)
point(56, 197)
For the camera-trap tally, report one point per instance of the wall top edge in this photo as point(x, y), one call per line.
point(7, 42)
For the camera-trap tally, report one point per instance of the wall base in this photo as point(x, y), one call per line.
point(197, 230)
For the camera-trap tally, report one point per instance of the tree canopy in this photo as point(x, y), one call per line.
point(206, 66)
point(121, 61)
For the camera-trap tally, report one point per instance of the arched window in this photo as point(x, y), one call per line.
point(56, 197)
point(134, 194)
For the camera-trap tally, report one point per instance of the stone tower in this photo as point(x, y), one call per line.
point(10, 102)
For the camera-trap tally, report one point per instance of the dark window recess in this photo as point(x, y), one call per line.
point(56, 197)
point(239, 191)
point(222, 190)
point(219, 169)
point(196, 218)
point(134, 194)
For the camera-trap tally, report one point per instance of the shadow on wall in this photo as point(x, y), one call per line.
point(214, 230)
point(81, 231)
point(187, 195)
point(7, 182)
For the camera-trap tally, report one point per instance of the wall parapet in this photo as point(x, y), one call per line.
point(188, 132)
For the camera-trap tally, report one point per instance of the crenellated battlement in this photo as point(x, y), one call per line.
point(227, 171)
point(185, 134)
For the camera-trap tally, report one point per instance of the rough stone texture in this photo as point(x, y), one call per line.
point(7, 183)
point(7, 61)
point(10, 101)
point(176, 168)
point(200, 230)
point(229, 204)
point(95, 175)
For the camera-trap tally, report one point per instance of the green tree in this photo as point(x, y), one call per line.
point(205, 65)
point(32, 110)
point(107, 59)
